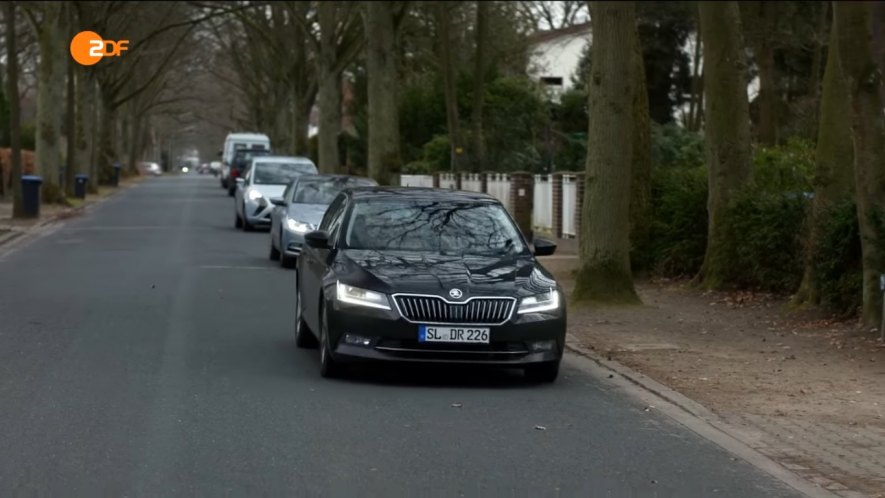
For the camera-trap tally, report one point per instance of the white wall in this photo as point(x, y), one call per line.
point(558, 58)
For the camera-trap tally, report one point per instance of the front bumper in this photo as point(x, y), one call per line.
point(257, 212)
point(393, 338)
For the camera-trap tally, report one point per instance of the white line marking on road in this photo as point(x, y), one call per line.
point(222, 267)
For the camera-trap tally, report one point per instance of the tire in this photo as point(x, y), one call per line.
point(247, 227)
point(304, 338)
point(230, 191)
point(223, 183)
point(287, 261)
point(239, 222)
point(329, 368)
point(544, 372)
point(274, 252)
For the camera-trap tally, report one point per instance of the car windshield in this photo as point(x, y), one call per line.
point(324, 190)
point(457, 228)
point(279, 173)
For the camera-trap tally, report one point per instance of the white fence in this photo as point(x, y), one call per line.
point(498, 186)
point(542, 214)
point(569, 193)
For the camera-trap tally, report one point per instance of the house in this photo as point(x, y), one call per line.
point(554, 56)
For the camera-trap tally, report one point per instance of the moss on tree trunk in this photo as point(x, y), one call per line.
point(727, 129)
point(605, 275)
point(863, 73)
point(833, 175)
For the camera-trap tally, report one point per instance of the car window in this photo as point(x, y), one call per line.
point(433, 226)
point(335, 224)
point(287, 194)
point(276, 173)
point(324, 190)
point(331, 212)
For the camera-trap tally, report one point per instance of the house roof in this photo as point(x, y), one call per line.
point(554, 34)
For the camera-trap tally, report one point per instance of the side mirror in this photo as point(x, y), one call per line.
point(240, 180)
point(544, 247)
point(317, 239)
point(277, 201)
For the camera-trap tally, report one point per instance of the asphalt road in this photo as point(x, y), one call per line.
point(146, 349)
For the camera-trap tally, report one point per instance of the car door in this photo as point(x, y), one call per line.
point(313, 262)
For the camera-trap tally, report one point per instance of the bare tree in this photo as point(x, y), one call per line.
point(863, 73)
point(727, 129)
point(14, 111)
point(605, 273)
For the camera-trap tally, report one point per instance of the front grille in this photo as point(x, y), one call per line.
point(478, 311)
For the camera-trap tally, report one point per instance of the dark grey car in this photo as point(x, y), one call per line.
point(300, 210)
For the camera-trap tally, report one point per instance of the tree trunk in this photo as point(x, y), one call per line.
point(383, 154)
point(727, 129)
point(640, 182)
point(107, 128)
point(816, 62)
point(15, 129)
point(697, 87)
point(451, 93)
point(762, 17)
point(71, 165)
point(605, 232)
point(479, 70)
point(50, 99)
point(833, 175)
point(84, 124)
point(862, 71)
point(329, 96)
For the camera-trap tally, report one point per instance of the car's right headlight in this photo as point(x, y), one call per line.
point(547, 301)
point(298, 226)
point(361, 297)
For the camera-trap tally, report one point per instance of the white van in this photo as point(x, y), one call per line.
point(234, 142)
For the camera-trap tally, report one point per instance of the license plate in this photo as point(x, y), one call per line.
point(432, 333)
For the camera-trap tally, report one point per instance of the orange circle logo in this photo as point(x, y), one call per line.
point(87, 48)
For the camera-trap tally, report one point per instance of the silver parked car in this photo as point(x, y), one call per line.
point(266, 177)
point(301, 208)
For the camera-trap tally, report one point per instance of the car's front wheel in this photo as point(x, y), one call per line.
point(328, 366)
point(274, 252)
point(239, 222)
point(544, 372)
point(303, 336)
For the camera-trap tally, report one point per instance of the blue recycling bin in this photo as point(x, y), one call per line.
point(80, 182)
point(31, 195)
point(115, 179)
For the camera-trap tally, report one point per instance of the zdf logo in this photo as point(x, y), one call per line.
point(88, 47)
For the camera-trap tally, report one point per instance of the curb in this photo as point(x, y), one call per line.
point(704, 422)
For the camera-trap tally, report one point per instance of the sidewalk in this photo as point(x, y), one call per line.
point(802, 390)
point(11, 229)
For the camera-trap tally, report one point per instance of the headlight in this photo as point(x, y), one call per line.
point(361, 297)
point(297, 226)
point(547, 301)
point(254, 195)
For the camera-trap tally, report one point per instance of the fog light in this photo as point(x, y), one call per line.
point(542, 346)
point(357, 340)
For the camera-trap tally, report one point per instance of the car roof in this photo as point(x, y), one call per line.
point(282, 159)
point(247, 136)
point(330, 176)
point(419, 193)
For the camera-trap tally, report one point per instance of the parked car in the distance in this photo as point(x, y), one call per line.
point(301, 208)
point(241, 161)
point(152, 168)
point(215, 168)
point(405, 274)
point(266, 177)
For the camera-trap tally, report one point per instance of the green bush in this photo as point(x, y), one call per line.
point(674, 146)
point(679, 222)
point(437, 153)
point(766, 233)
point(838, 265)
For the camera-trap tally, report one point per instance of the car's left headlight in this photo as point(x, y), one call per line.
point(547, 301)
point(361, 297)
point(254, 195)
point(298, 226)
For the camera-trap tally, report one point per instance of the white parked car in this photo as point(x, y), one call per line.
point(152, 168)
point(266, 177)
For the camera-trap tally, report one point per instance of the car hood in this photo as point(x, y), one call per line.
point(307, 213)
point(436, 274)
point(269, 191)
